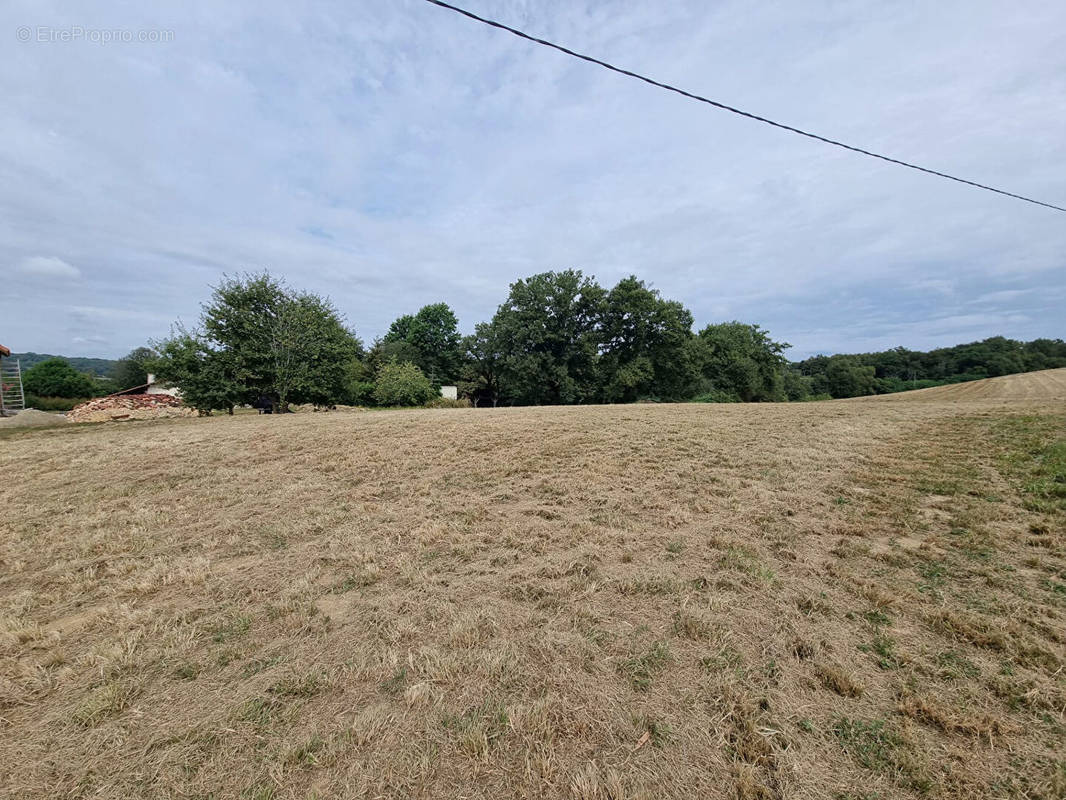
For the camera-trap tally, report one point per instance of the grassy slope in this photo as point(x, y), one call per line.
point(1043, 385)
point(637, 601)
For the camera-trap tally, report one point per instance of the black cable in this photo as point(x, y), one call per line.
point(731, 109)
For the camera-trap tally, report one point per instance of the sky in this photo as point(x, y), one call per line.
point(394, 154)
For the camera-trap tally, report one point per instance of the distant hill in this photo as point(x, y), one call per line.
point(94, 366)
point(1045, 385)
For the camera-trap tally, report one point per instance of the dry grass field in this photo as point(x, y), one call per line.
point(843, 600)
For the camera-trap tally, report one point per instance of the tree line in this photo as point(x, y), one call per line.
point(900, 369)
point(558, 338)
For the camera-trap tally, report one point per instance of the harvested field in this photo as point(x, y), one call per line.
point(763, 601)
point(32, 418)
point(1048, 384)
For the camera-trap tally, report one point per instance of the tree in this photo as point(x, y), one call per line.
point(311, 349)
point(433, 336)
point(742, 362)
point(900, 369)
point(358, 382)
point(396, 350)
point(205, 376)
point(403, 384)
point(262, 339)
point(644, 345)
point(796, 385)
point(56, 378)
point(479, 378)
point(132, 369)
point(548, 335)
point(846, 376)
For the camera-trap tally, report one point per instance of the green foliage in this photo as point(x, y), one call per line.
point(559, 337)
point(261, 339)
point(846, 376)
point(53, 403)
point(396, 350)
point(742, 361)
point(206, 376)
point(90, 366)
point(358, 383)
point(445, 402)
point(132, 369)
point(716, 396)
point(548, 337)
point(901, 369)
point(56, 378)
point(432, 342)
point(310, 350)
point(645, 345)
point(403, 384)
point(796, 386)
point(479, 378)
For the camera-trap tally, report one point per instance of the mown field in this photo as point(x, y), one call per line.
point(843, 599)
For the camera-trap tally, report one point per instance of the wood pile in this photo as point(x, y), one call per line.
point(129, 406)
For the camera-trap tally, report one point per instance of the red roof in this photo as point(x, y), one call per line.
point(4, 351)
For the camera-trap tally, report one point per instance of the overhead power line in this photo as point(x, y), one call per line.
point(731, 109)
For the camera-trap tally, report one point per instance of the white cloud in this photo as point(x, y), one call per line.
point(48, 267)
point(446, 160)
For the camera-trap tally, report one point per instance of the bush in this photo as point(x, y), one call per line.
point(56, 378)
point(444, 402)
point(359, 393)
point(403, 384)
point(53, 403)
point(716, 396)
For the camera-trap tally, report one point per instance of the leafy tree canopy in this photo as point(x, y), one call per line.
point(56, 378)
point(548, 334)
point(132, 369)
point(260, 338)
point(403, 384)
point(432, 336)
point(742, 362)
point(644, 343)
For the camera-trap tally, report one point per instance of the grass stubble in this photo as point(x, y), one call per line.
point(834, 599)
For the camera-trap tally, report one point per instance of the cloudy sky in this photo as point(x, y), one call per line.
point(393, 154)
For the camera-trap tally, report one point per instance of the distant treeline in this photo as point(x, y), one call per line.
point(99, 367)
point(901, 369)
point(558, 338)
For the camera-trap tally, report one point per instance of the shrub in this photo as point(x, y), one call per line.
point(402, 384)
point(445, 402)
point(53, 403)
point(360, 393)
point(56, 378)
point(716, 396)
